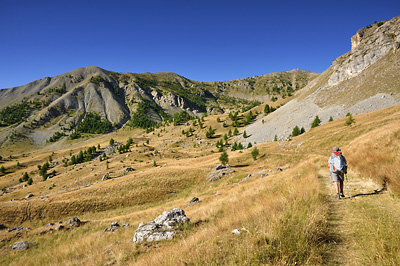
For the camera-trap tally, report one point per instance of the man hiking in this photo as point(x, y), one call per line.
point(338, 167)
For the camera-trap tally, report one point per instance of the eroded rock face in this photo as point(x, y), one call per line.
point(164, 227)
point(368, 46)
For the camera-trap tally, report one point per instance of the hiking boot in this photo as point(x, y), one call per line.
point(337, 196)
point(342, 195)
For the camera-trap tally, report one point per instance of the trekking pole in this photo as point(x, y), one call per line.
point(330, 179)
point(348, 187)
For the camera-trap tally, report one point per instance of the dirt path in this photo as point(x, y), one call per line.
point(343, 244)
point(340, 238)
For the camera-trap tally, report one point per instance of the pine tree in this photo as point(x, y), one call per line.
point(235, 132)
point(296, 131)
point(210, 133)
point(30, 181)
point(316, 122)
point(224, 158)
point(255, 153)
point(73, 160)
point(244, 134)
point(234, 146)
point(80, 158)
point(25, 177)
point(249, 145)
point(350, 120)
point(266, 109)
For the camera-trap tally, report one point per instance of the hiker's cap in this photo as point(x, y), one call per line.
point(335, 149)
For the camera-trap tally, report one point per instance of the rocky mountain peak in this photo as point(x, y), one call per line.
point(368, 46)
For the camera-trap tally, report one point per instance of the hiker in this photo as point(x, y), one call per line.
point(338, 168)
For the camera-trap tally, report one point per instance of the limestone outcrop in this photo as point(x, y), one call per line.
point(164, 227)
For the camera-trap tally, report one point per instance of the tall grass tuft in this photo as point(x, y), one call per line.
point(379, 159)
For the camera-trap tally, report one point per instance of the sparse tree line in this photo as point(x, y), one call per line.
point(316, 122)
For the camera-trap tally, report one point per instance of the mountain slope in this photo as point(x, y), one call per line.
point(363, 80)
point(59, 104)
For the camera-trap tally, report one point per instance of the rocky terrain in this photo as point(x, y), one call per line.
point(206, 186)
point(363, 80)
point(60, 104)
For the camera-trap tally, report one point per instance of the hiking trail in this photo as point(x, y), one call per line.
point(342, 250)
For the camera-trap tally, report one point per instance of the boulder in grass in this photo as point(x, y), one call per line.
point(193, 201)
point(22, 245)
point(30, 195)
point(164, 227)
point(106, 177)
point(219, 172)
point(74, 221)
point(114, 226)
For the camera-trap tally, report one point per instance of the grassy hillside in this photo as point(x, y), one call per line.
point(285, 218)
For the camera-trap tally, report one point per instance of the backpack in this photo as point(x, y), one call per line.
point(338, 162)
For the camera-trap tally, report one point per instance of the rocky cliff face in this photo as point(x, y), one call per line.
point(368, 45)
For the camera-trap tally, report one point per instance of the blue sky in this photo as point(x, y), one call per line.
point(201, 40)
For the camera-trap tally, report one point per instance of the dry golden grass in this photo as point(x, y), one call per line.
point(284, 217)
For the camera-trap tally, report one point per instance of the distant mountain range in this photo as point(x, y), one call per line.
point(60, 104)
point(362, 80)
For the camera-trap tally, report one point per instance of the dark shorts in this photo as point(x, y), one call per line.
point(336, 177)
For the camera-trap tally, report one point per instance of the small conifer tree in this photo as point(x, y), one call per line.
point(316, 122)
point(255, 153)
point(350, 120)
point(296, 131)
point(266, 109)
point(224, 158)
point(25, 177)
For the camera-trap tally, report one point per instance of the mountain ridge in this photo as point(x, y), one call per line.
point(62, 102)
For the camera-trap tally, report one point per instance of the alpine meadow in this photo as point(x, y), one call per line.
point(105, 168)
